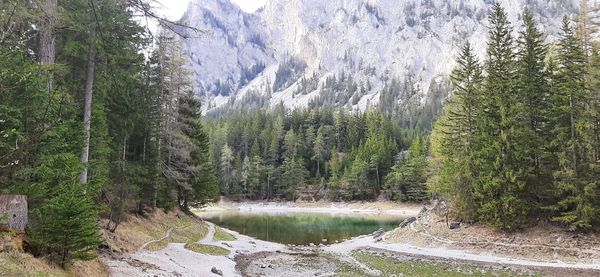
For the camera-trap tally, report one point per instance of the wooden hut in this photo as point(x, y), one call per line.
point(13, 212)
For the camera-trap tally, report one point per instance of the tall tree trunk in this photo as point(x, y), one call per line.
point(47, 38)
point(87, 108)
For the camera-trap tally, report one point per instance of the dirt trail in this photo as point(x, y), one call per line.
point(167, 235)
point(209, 235)
point(175, 260)
point(443, 253)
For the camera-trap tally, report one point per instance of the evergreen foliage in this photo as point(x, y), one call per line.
point(520, 139)
point(266, 155)
point(48, 60)
point(67, 227)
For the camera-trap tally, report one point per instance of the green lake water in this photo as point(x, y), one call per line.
point(303, 228)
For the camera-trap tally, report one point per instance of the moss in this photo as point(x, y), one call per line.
point(207, 249)
point(221, 235)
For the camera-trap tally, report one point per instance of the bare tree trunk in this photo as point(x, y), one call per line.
point(47, 40)
point(87, 109)
point(574, 146)
point(47, 37)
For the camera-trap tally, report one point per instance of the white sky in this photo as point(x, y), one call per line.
point(174, 9)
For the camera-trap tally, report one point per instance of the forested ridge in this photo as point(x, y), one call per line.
point(98, 119)
point(335, 154)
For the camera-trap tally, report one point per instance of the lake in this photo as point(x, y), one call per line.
point(302, 228)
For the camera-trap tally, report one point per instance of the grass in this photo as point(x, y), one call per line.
point(207, 249)
point(221, 235)
point(187, 231)
point(390, 266)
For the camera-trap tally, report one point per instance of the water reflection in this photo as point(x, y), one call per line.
point(302, 228)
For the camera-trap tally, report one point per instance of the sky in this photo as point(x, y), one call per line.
point(173, 9)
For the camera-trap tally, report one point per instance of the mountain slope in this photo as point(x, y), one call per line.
point(343, 53)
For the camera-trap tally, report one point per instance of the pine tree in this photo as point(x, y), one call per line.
point(533, 89)
point(227, 172)
point(576, 183)
point(453, 139)
point(504, 161)
point(319, 150)
point(67, 227)
point(408, 177)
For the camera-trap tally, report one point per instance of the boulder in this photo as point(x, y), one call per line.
point(454, 225)
point(216, 271)
point(407, 221)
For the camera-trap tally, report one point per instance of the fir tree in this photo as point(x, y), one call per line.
point(67, 227)
point(576, 182)
point(533, 87)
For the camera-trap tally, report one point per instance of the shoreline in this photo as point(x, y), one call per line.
point(253, 257)
point(325, 207)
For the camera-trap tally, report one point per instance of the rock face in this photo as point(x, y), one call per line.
point(339, 52)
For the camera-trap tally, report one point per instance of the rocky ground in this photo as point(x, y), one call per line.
point(543, 242)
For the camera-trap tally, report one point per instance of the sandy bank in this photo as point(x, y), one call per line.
point(334, 208)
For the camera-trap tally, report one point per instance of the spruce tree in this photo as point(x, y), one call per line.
point(533, 90)
point(67, 227)
point(503, 161)
point(576, 183)
point(454, 135)
point(408, 177)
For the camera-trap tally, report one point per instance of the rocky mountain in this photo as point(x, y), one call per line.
point(344, 53)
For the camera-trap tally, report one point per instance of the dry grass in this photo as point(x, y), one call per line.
point(136, 230)
point(94, 268)
point(541, 242)
point(25, 265)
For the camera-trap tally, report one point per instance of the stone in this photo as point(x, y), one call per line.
point(216, 271)
point(454, 225)
point(423, 212)
point(377, 234)
point(407, 221)
point(227, 244)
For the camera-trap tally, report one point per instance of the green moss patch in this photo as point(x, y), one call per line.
point(207, 249)
point(391, 266)
point(221, 235)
